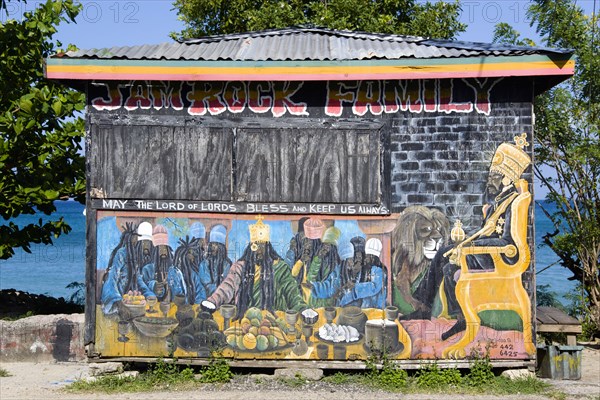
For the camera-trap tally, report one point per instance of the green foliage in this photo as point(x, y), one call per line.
point(568, 144)
point(161, 375)
point(17, 317)
point(340, 378)
point(504, 33)
point(568, 122)
point(547, 298)
point(168, 373)
point(480, 371)
point(433, 377)
point(389, 376)
point(297, 381)
point(40, 136)
point(4, 373)
point(217, 371)
point(408, 17)
point(78, 295)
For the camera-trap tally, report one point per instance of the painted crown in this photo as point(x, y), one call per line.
point(260, 232)
point(510, 160)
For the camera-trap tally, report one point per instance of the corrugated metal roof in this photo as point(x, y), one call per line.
point(305, 44)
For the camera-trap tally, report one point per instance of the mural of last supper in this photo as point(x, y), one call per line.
point(408, 285)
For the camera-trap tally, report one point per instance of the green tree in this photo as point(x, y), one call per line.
point(40, 133)
point(210, 17)
point(568, 143)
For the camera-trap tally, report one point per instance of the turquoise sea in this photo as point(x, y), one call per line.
point(49, 269)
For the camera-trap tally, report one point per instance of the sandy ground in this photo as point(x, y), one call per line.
point(45, 381)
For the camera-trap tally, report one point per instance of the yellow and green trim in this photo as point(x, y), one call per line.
point(176, 70)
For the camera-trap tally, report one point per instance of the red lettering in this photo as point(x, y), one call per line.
point(336, 96)
point(282, 93)
point(139, 96)
point(114, 98)
point(165, 95)
point(482, 91)
point(446, 90)
point(367, 98)
point(260, 97)
point(234, 96)
point(429, 95)
point(206, 98)
point(402, 95)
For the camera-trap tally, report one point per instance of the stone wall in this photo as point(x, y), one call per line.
point(43, 338)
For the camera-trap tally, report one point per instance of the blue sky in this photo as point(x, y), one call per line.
point(108, 23)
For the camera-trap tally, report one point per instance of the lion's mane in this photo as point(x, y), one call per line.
point(408, 246)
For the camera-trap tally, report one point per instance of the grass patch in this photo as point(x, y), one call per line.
point(380, 374)
point(4, 373)
point(297, 381)
point(383, 374)
point(161, 376)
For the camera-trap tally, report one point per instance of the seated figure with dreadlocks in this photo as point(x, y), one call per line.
point(369, 286)
point(325, 292)
point(161, 278)
point(260, 278)
point(119, 276)
point(186, 260)
point(215, 267)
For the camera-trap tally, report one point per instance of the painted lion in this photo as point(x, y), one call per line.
point(419, 233)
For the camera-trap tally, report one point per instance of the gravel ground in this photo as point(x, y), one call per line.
point(45, 381)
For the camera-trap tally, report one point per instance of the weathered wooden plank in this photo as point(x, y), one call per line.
point(307, 165)
point(559, 316)
point(158, 162)
point(542, 317)
point(103, 118)
point(558, 328)
point(90, 277)
point(348, 364)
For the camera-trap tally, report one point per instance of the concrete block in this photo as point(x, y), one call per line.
point(518, 373)
point(129, 374)
point(311, 374)
point(97, 369)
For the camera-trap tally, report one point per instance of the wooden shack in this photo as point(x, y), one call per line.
point(309, 196)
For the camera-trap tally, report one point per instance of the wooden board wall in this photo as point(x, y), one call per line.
point(190, 161)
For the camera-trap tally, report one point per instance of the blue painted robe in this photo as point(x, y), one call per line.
point(373, 293)
point(175, 281)
point(115, 284)
point(203, 283)
point(326, 288)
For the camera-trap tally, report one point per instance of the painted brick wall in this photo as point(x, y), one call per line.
point(443, 161)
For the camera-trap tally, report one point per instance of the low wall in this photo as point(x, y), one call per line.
point(43, 338)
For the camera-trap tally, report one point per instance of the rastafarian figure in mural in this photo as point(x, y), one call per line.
point(143, 250)
point(120, 272)
point(328, 290)
point(370, 285)
point(484, 271)
point(215, 267)
point(322, 265)
point(161, 278)
point(260, 278)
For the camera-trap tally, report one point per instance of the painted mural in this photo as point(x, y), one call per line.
point(332, 287)
point(362, 98)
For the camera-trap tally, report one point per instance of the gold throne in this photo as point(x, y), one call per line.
point(501, 288)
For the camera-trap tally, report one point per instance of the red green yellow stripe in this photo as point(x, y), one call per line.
point(94, 69)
